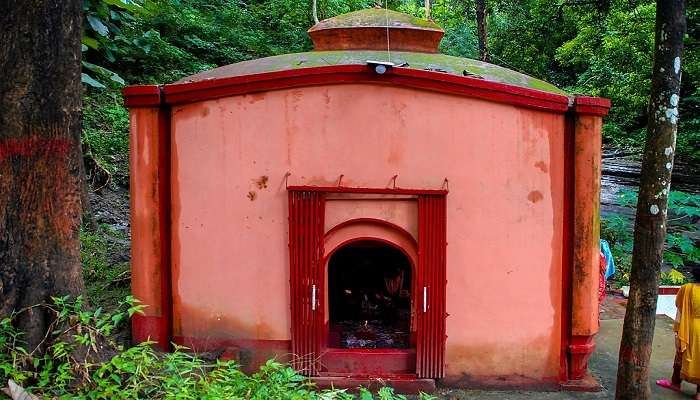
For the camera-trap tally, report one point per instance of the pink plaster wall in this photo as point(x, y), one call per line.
point(399, 210)
point(505, 170)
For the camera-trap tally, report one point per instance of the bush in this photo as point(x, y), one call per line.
point(81, 361)
point(682, 250)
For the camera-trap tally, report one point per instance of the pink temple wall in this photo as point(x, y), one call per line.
point(505, 167)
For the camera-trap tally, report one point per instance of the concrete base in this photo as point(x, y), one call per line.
point(402, 385)
point(588, 383)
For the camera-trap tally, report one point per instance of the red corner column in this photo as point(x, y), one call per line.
point(149, 164)
point(588, 121)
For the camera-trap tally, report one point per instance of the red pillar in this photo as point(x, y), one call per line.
point(589, 112)
point(149, 163)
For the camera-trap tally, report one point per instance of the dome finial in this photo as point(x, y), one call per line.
point(368, 29)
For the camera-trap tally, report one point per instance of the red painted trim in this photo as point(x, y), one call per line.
point(371, 362)
point(582, 345)
point(580, 350)
point(340, 245)
point(159, 328)
point(373, 221)
point(354, 352)
point(432, 250)
point(669, 290)
point(142, 96)
point(344, 189)
point(153, 328)
point(567, 246)
point(502, 382)
point(587, 105)
point(210, 344)
point(178, 93)
point(368, 355)
point(165, 215)
point(306, 216)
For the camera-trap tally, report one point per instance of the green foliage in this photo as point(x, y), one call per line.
point(617, 230)
point(106, 132)
point(82, 362)
point(157, 41)
point(673, 278)
point(682, 249)
point(104, 21)
point(67, 353)
point(612, 58)
point(103, 276)
point(611, 55)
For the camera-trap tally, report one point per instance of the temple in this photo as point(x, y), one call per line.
point(371, 209)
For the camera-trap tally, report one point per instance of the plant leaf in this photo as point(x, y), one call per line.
point(91, 42)
point(97, 25)
point(88, 80)
point(104, 72)
point(124, 4)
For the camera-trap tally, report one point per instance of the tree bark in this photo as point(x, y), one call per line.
point(41, 170)
point(314, 10)
point(481, 30)
point(650, 223)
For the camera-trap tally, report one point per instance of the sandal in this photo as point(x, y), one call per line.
point(665, 383)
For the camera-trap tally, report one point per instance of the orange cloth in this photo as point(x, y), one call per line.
point(687, 327)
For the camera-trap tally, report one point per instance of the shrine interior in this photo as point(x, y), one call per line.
point(369, 297)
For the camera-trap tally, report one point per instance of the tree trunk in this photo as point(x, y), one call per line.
point(655, 183)
point(481, 29)
point(314, 10)
point(41, 168)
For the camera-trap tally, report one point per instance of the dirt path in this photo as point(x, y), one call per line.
point(603, 363)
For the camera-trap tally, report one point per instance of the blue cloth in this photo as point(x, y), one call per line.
point(610, 262)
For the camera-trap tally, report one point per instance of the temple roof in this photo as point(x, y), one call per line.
point(439, 63)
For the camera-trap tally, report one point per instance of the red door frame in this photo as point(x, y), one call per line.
point(306, 271)
point(306, 224)
point(432, 257)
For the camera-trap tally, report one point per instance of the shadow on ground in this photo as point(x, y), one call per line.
point(603, 365)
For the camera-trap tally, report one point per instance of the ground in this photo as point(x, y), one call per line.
point(603, 363)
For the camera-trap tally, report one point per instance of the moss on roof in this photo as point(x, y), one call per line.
point(422, 61)
point(375, 17)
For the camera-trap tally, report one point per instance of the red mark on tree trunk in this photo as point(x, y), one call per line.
point(34, 145)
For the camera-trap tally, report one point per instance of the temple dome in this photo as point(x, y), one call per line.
point(368, 29)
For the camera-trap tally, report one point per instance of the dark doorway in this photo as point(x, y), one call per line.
point(369, 297)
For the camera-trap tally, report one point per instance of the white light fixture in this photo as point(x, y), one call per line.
point(380, 67)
